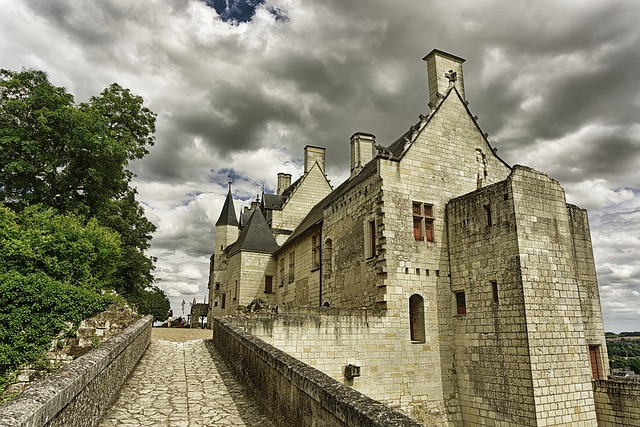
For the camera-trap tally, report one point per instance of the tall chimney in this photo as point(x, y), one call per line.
point(442, 69)
point(284, 181)
point(312, 155)
point(362, 146)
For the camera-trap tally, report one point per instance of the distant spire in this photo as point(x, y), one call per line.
point(228, 214)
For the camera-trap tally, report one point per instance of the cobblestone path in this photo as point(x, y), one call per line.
point(183, 384)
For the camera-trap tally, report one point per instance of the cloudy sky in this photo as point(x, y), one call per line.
point(240, 87)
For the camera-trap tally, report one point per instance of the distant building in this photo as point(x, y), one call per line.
point(481, 275)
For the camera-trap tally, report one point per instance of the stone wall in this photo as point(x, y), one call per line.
point(393, 369)
point(617, 402)
point(292, 392)
point(79, 393)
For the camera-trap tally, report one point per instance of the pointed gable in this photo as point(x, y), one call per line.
point(228, 214)
point(255, 236)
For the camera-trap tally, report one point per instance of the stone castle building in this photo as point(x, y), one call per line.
point(459, 289)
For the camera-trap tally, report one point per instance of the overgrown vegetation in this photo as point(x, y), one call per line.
point(624, 350)
point(71, 229)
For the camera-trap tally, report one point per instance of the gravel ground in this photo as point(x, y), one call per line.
point(180, 334)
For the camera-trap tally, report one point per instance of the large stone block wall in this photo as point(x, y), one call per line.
point(588, 286)
point(79, 393)
point(491, 359)
point(353, 277)
point(293, 393)
point(394, 370)
point(305, 286)
point(617, 402)
point(559, 351)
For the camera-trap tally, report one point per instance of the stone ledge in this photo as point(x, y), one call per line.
point(41, 404)
point(323, 396)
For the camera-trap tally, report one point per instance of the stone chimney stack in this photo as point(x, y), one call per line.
point(311, 155)
point(362, 148)
point(442, 70)
point(284, 181)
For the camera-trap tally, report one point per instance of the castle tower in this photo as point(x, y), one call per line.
point(227, 225)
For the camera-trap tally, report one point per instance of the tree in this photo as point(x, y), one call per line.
point(152, 301)
point(75, 157)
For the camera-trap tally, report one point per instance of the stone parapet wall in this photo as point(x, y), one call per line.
point(617, 402)
point(79, 393)
point(393, 369)
point(292, 392)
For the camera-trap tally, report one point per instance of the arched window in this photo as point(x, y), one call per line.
point(416, 318)
point(327, 267)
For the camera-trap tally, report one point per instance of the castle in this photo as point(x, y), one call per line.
point(458, 288)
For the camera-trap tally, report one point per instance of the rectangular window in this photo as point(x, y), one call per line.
point(315, 248)
point(593, 357)
point(422, 222)
point(494, 291)
point(417, 229)
point(292, 266)
point(461, 303)
point(268, 284)
point(235, 295)
point(281, 271)
point(224, 300)
point(217, 286)
point(370, 240)
point(487, 214)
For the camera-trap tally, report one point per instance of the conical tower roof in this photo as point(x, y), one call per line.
point(228, 214)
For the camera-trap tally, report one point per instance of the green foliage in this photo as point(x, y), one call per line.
point(152, 301)
point(65, 247)
point(34, 309)
point(53, 270)
point(70, 225)
point(74, 158)
point(632, 363)
point(623, 348)
point(624, 353)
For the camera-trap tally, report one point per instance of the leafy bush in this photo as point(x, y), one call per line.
point(53, 271)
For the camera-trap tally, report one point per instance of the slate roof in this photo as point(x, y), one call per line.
point(255, 236)
point(228, 214)
point(273, 201)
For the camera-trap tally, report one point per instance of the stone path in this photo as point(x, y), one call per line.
point(183, 384)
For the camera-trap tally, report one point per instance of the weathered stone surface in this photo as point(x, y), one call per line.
point(293, 393)
point(79, 393)
point(617, 402)
point(184, 383)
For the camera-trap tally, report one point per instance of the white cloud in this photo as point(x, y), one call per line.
point(555, 86)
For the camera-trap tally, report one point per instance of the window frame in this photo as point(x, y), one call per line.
point(292, 266)
point(423, 221)
point(461, 303)
point(268, 284)
point(316, 251)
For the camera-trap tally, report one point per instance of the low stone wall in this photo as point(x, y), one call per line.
point(396, 371)
point(292, 392)
point(79, 393)
point(617, 402)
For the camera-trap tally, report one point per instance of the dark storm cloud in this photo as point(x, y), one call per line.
point(244, 85)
